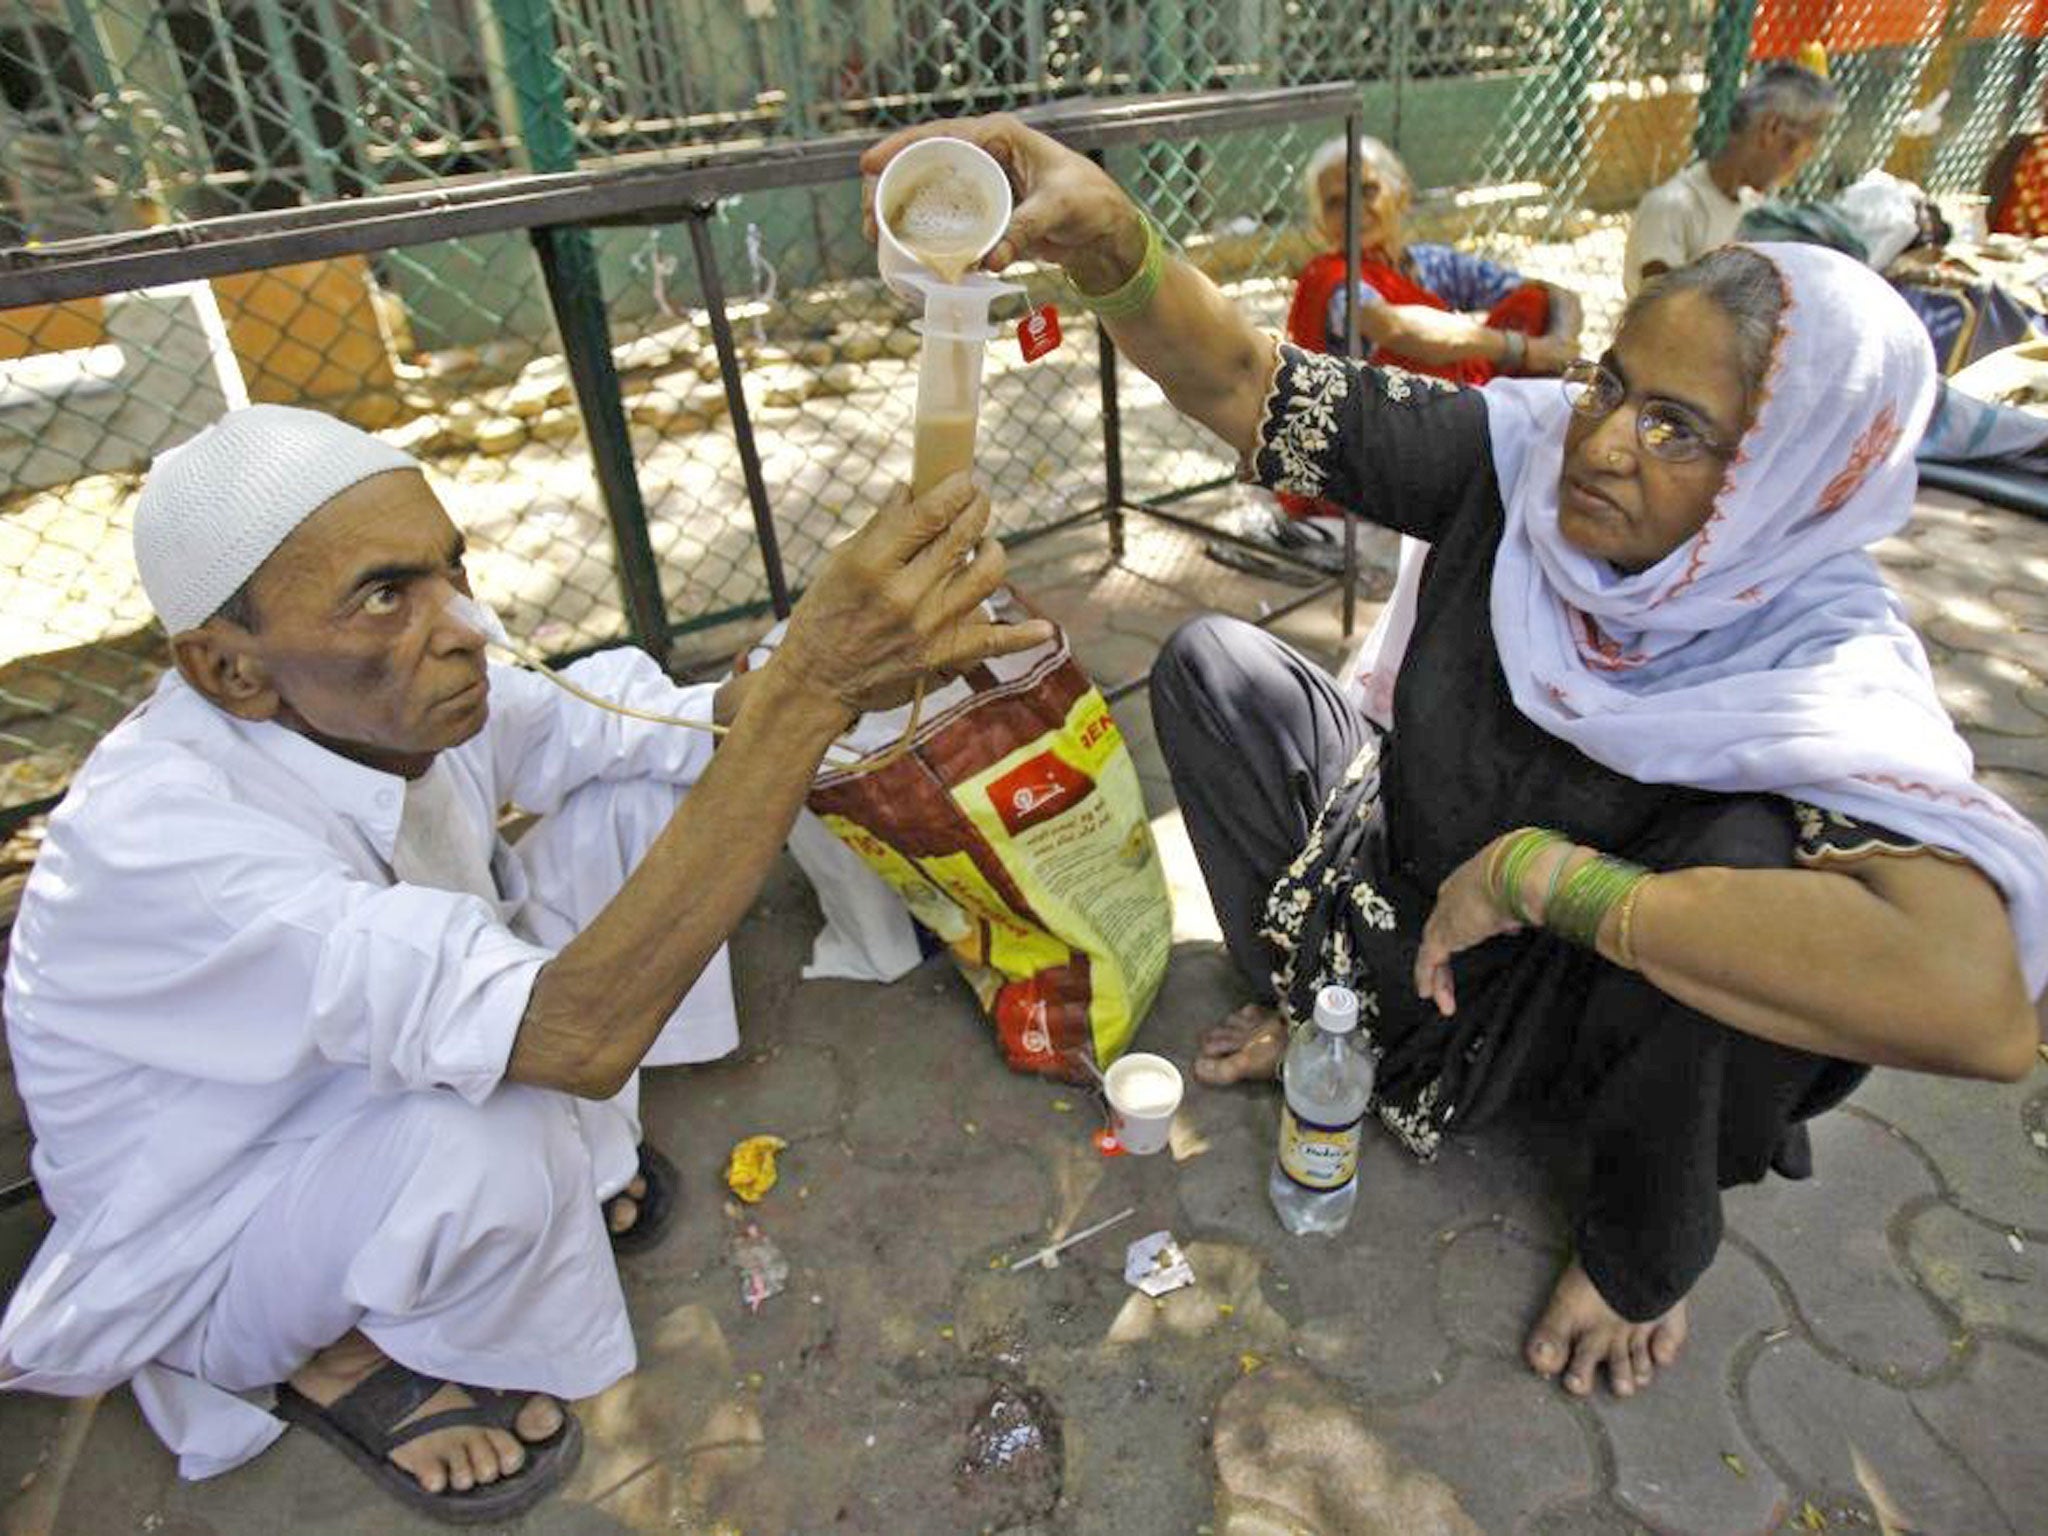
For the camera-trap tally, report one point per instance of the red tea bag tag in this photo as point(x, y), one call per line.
point(1039, 332)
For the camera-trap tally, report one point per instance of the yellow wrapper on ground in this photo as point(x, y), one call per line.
point(750, 1171)
point(1015, 830)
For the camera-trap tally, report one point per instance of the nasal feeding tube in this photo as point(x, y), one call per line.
point(484, 623)
point(940, 206)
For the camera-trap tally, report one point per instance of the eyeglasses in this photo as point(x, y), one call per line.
point(1666, 431)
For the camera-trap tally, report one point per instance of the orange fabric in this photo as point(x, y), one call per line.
point(2019, 202)
point(1781, 27)
point(2011, 18)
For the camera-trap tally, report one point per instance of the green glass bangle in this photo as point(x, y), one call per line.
point(1556, 879)
point(1137, 290)
point(1523, 850)
point(1595, 888)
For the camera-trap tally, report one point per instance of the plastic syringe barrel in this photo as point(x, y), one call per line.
point(956, 331)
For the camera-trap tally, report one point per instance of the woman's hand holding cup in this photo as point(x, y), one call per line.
point(1068, 211)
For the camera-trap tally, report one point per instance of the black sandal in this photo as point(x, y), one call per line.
point(657, 1204)
point(359, 1425)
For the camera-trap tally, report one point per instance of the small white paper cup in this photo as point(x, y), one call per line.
point(920, 159)
point(1141, 1122)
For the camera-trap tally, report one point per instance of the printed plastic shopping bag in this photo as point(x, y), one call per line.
point(1015, 830)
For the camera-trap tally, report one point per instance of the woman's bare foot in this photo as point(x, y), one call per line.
point(1248, 1044)
point(458, 1458)
point(1578, 1331)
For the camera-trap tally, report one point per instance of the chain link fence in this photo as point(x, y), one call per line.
point(1530, 130)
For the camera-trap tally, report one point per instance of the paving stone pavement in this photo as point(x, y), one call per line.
point(1877, 1335)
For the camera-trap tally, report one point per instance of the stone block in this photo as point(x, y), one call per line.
point(1991, 1416)
point(1669, 1441)
point(1818, 1418)
point(1976, 1133)
point(1827, 1236)
point(497, 435)
point(1293, 1454)
point(1507, 1443)
point(1990, 1276)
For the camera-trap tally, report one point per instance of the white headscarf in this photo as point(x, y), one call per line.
point(1766, 653)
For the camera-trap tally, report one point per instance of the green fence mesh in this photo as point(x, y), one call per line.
point(1530, 130)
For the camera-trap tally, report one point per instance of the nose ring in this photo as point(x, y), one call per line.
point(1613, 458)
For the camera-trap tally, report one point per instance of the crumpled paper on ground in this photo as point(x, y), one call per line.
point(763, 1269)
point(1155, 1264)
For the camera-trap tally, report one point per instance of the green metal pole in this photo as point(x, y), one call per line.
point(314, 157)
point(341, 77)
point(568, 262)
point(1727, 58)
point(1586, 36)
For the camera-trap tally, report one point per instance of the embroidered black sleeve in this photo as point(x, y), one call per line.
point(1829, 837)
point(1401, 448)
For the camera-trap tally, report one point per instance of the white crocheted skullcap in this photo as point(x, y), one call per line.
point(216, 507)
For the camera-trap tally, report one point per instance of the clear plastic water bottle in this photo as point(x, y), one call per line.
point(1328, 1078)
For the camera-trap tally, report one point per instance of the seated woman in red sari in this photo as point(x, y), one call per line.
point(1428, 308)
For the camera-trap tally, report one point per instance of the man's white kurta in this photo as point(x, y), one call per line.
point(1679, 221)
point(214, 964)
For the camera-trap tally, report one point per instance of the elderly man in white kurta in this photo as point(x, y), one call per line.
point(328, 1081)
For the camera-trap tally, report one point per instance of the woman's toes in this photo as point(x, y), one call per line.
point(1621, 1370)
point(1639, 1355)
point(1585, 1366)
point(1668, 1338)
point(1545, 1352)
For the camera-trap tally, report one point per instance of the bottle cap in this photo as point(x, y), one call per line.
point(1337, 1010)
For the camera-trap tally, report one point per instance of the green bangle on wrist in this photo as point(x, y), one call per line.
point(1137, 290)
point(1519, 852)
point(1595, 889)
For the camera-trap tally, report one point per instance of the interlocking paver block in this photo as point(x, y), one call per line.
point(1989, 1275)
point(1815, 1416)
point(1827, 1237)
point(2025, 790)
point(1508, 1443)
point(1984, 692)
point(1976, 1133)
point(1492, 1283)
point(1993, 1416)
point(1669, 1441)
point(1292, 1454)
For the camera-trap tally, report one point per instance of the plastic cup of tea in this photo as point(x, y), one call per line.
point(1143, 1092)
point(982, 181)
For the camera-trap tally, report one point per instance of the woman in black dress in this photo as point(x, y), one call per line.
point(1670, 830)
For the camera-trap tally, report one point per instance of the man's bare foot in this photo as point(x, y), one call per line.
point(458, 1458)
point(1248, 1044)
point(622, 1211)
point(1578, 1331)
